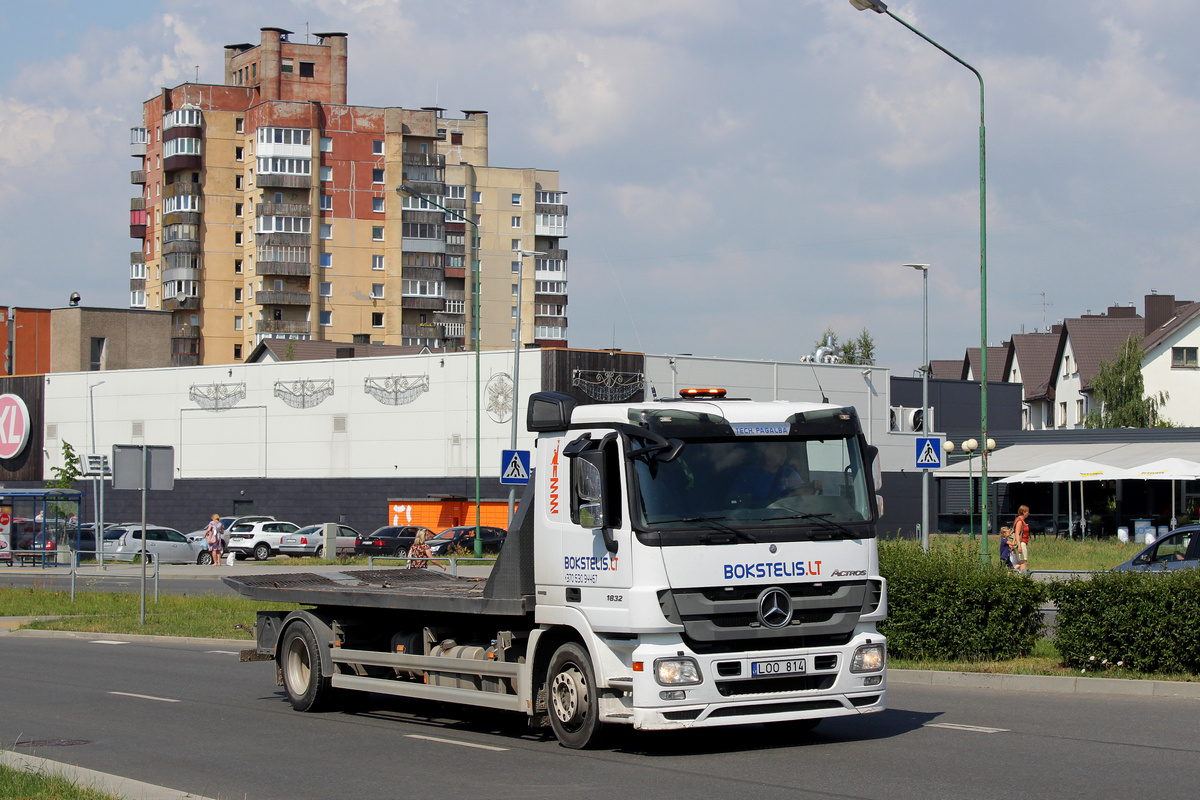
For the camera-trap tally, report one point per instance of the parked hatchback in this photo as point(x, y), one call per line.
point(390, 540)
point(1177, 550)
point(464, 536)
point(310, 541)
point(164, 545)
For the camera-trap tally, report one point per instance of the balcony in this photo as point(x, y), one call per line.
point(273, 298)
point(137, 142)
point(282, 326)
point(283, 210)
point(285, 239)
point(184, 304)
point(183, 161)
point(181, 246)
point(137, 224)
point(549, 208)
point(271, 180)
point(423, 303)
point(185, 332)
point(456, 204)
point(424, 160)
point(137, 204)
point(137, 257)
point(425, 330)
point(288, 268)
point(137, 176)
point(185, 359)
point(560, 322)
point(456, 249)
point(182, 189)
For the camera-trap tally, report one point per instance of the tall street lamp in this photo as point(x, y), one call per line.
point(512, 490)
point(405, 189)
point(97, 483)
point(924, 268)
point(881, 8)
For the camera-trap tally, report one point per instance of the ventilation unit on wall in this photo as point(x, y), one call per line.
point(908, 420)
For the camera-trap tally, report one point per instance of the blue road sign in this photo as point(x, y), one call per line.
point(514, 467)
point(929, 452)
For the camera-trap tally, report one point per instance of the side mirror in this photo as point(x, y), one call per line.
point(589, 488)
point(876, 468)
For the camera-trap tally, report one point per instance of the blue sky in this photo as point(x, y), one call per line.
point(741, 175)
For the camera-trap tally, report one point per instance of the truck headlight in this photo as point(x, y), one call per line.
point(868, 658)
point(677, 671)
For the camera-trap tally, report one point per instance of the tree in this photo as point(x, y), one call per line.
point(1119, 392)
point(65, 478)
point(859, 350)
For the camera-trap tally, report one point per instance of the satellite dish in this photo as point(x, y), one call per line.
point(75, 298)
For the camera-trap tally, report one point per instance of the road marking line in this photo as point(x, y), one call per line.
point(973, 728)
point(454, 741)
point(224, 652)
point(146, 697)
point(107, 641)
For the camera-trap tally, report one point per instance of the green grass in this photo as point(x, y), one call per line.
point(1047, 552)
point(201, 616)
point(40, 785)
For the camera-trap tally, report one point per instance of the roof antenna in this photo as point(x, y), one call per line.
point(197, 73)
point(824, 399)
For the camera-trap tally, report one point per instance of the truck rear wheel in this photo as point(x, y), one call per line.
point(300, 659)
point(571, 697)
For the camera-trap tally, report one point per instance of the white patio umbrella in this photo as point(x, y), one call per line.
point(1068, 471)
point(1168, 469)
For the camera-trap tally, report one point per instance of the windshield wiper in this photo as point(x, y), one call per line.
point(713, 522)
point(822, 518)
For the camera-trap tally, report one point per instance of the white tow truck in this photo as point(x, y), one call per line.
point(673, 564)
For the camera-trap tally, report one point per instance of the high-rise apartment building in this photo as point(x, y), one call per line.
point(269, 210)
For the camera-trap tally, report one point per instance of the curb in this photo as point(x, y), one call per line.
point(132, 637)
point(125, 788)
point(1056, 684)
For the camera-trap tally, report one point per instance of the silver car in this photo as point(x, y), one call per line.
point(164, 545)
point(310, 541)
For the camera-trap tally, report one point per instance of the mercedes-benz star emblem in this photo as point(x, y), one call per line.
point(775, 607)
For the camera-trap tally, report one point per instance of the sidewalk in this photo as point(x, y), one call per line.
point(278, 564)
point(124, 788)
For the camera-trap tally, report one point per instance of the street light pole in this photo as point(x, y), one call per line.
point(512, 491)
point(97, 483)
point(924, 268)
point(404, 189)
point(881, 8)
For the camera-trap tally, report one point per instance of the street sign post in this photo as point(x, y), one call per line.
point(514, 467)
point(929, 452)
point(144, 467)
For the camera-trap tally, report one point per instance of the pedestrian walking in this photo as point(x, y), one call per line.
point(419, 552)
point(212, 538)
point(1021, 536)
point(1006, 537)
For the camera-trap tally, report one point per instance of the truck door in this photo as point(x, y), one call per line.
point(596, 540)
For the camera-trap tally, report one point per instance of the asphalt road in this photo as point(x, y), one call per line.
point(191, 717)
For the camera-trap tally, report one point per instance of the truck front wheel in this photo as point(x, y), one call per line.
point(307, 688)
point(572, 698)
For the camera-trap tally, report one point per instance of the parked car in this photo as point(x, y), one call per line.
point(227, 523)
point(310, 541)
point(390, 540)
point(164, 545)
point(258, 539)
point(1177, 550)
point(464, 537)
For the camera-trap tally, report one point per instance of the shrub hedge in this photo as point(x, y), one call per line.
point(945, 604)
point(1145, 621)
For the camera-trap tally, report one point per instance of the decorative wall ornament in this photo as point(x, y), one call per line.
point(499, 397)
point(397, 390)
point(606, 386)
point(217, 396)
point(304, 393)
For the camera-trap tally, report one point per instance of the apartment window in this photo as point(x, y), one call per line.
point(377, 233)
point(326, 319)
point(516, 244)
point(549, 332)
point(327, 231)
point(326, 174)
point(286, 65)
point(1183, 358)
point(237, 352)
point(418, 230)
point(417, 288)
point(550, 287)
point(1079, 411)
point(377, 290)
point(377, 176)
point(1066, 365)
point(476, 197)
point(239, 125)
point(549, 198)
point(278, 285)
point(237, 209)
point(278, 196)
point(137, 298)
point(456, 238)
point(325, 289)
point(237, 295)
point(239, 153)
point(456, 192)
point(377, 261)
point(327, 202)
point(513, 312)
point(514, 290)
point(1062, 414)
point(516, 221)
point(237, 182)
point(237, 238)
point(326, 259)
point(326, 144)
point(376, 319)
point(307, 69)
point(377, 147)
point(137, 271)
point(283, 224)
point(237, 323)
point(281, 165)
point(377, 205)
point(97, 361)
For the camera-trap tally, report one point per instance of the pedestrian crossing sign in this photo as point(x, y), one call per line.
point(929, 452)
point(514, 467)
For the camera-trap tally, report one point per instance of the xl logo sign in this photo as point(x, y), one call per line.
point(14, 425)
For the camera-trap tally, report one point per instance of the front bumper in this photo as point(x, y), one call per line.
point(728, 695)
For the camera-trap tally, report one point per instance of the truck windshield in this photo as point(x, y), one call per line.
point(763, 483)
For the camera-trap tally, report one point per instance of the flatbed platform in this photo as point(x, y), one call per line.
point(385, 589)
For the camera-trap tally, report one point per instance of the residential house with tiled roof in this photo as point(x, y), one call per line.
point(1031, 363)
point(1087, 342)
point(996, 359)
point(1172, 340)
point(947, 369)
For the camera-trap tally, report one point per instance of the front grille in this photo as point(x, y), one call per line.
point(799, 683)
